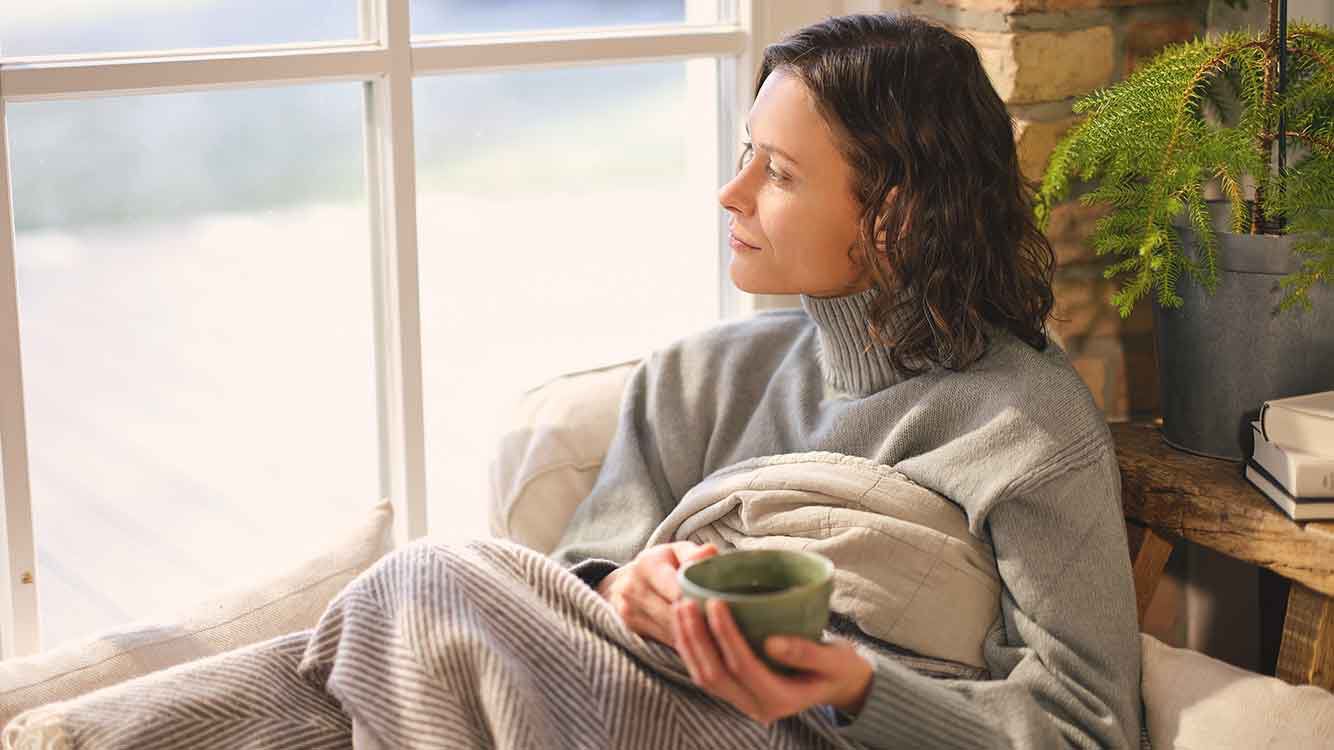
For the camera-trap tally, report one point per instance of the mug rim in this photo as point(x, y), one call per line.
point(707, 593)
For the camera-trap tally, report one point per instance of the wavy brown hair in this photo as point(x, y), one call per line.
point(914, 112)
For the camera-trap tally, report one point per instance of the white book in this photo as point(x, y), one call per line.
point(1304, 423)
point(1302, 475)
point(1297, 510)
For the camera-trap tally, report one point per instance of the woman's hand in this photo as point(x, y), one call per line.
point(721, 662)
point(642, 591)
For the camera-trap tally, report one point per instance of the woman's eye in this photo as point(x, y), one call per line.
point(748, 153)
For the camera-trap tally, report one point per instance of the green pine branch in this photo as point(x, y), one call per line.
point(1150, 145)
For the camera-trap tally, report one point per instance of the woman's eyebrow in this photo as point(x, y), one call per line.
point(771, 147)
point(779, 151)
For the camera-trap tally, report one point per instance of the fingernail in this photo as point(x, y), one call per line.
point(780, 646)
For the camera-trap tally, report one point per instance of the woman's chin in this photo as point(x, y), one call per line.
point(749, 282)
point(749, 286)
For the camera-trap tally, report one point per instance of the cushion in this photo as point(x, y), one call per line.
point(290, 601)
point(550, 453)
point(1195, 702)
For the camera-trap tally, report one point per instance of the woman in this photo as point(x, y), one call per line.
point(881, 184)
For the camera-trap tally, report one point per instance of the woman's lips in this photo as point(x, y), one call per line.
point(738, 244)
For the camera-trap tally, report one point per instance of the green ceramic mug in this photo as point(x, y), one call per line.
point(770, 592)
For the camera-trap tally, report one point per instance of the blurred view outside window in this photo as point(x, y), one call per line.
point(461, 16)
point(66, 27)
point(195, 291)
point(195, 320)
point(565, 223)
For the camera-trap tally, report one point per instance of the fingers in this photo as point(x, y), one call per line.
point(663, 561)
point(660, 573)
point(841, 676)
point(737, 654)
point(705, 664)
point(826, 659)
point(643, 591)
point(697, 552)
point(685, 640)
point(642, 609)
point(656, 618)
point(652, 623)
point(647, 628)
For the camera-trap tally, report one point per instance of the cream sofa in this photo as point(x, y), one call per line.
point(545, 463)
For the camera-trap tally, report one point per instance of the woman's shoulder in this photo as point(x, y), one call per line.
point(1016, 418)
point(1038, 388)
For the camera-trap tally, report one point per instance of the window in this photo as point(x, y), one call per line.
point(233, 300)
point(550, 202)
point(190, 384)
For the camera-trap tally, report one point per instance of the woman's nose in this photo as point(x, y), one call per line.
point(735, 196)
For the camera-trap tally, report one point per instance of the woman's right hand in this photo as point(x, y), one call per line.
point(643, 590)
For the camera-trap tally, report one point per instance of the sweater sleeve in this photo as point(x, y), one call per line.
point(632, 493)
point(1064, 657)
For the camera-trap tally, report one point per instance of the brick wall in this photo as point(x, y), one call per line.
point(1042, 55)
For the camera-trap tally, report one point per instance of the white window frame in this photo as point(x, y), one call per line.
point(386, 62)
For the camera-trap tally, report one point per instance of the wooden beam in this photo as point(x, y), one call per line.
point(1306, 656)
point(1149, 554)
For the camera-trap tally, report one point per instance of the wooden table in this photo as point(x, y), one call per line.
point(1171, 495)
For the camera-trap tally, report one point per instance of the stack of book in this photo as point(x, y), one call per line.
point(1293, 460)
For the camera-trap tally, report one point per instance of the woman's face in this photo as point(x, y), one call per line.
point(793, 216)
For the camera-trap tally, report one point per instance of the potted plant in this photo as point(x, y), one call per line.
point(1240, 282)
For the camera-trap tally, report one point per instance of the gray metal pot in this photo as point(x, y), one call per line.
point(1221, 356)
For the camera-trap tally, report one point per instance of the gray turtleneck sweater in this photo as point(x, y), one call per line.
point(1015, 440)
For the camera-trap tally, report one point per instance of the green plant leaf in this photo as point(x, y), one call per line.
point(1192, 115)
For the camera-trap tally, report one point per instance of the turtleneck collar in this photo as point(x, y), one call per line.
point(851, 359)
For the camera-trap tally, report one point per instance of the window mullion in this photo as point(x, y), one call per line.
point(735, 75)
point(433, 55)
point(391, 182)
point(18, 599)
point(92, 76)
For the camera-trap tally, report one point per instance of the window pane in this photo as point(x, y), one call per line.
point(567, 220)
point(481, 16)
point(196, 325)
point(61, 27)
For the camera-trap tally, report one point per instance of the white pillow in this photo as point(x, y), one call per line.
point(1196, 702)
point(285, 603)
point(551, 451)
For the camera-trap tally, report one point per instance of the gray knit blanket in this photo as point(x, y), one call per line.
point(494, 645)
point(486, 645)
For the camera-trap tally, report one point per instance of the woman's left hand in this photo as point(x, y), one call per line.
point(722, 663)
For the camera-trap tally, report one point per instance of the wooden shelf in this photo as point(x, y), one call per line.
point(1169, 494)
point(1210, 503)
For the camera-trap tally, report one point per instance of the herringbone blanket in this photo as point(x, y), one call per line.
point(494, 645)
point(482, 646)
point(252, 698)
